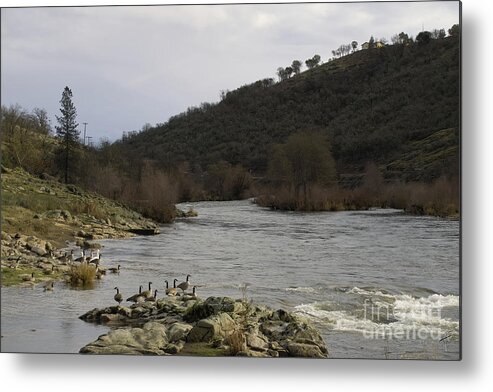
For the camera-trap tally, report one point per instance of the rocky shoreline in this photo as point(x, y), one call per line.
point(216, 326)
point(42, 218)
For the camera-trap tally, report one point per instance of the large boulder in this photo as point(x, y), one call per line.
point(151, 339)
point(212, 328)
point(212, 306)
point(305, 350)
point(178, 331)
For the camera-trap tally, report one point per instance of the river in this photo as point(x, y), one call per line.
point(377, 284)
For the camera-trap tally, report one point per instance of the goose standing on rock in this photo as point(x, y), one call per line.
point(190, 296)
point(118, 297)
point(152, 298)
point(171, 291)
point(147, 293)
point(185, 285)
point(134, 297)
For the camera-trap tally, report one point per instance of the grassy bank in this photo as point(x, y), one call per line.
point(57, 212)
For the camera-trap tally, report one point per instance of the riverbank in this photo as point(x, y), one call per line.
point(40, 216)
point(439, 198)
point(217, 326)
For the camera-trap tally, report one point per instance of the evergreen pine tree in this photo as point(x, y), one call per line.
point(67, 129)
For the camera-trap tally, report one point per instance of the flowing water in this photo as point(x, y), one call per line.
point(377, 284)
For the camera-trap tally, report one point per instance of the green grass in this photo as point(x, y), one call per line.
point(11, 276)
point(33, 201)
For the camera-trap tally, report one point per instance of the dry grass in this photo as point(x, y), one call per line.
point(82, 274)
point(439, 198)
point(236, 342)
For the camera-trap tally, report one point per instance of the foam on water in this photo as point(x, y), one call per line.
point(301, 289)
point(395, 314)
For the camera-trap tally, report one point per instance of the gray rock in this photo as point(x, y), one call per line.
point(212, 328)
point(38, 250)
point(256, 342)
point(6, 237)
point(151, 339)
point(178, 331)
point(305, 350)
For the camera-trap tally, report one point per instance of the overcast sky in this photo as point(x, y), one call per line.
point(132, 65)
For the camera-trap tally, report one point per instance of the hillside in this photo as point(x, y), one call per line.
point(56, 212)
point(375, 105)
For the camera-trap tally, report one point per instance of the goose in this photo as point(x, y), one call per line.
point(99, 274)
point(147, 293)
point(48, 286)
point(191, 296)
point(115, 270)
point(29, 278)
point(17, 262)
point(81, 258)
point(95, 257)
point(133, 298)
point(152, 298)
point(118, 297)
point(171, 291)
point(185, 285)
point(68, 259)
point(48, 271)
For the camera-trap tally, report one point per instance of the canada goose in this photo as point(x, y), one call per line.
point(118, 297)
point(81, 258)
point(147, 293)
point(66, 258)
point(115, 270)
point(171, 291)
point(133, 298)
point(152, 298)
point(99, 274)
point(48, 271)
point(190, 296)
point(185, 285)
point(48, 286)
point(29, 278)
point(17, 262)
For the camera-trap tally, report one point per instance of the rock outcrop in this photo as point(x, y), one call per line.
point(232, 327)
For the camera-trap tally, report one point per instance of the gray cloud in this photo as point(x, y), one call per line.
point(131, 65)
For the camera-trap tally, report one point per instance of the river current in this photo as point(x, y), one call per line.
point(377, 284)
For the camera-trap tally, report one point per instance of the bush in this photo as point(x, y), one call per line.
point(82, 274)
point(236, 342)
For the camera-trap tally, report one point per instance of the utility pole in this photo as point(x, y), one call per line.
point(85, 125)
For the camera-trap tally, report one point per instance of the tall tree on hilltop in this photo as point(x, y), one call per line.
point(67, 128)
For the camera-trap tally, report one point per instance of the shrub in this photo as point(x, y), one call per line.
point(82, 274)
point(236, 342)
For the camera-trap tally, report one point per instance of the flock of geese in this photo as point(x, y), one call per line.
point(149, 295)
point(141, 296)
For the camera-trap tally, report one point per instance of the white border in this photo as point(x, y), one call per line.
point(82, 373)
